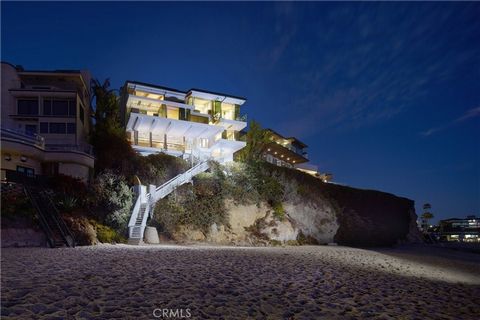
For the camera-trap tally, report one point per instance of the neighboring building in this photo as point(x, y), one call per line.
point(285, 152)
point(291, 153)
point(463, 230)
point(45, 121)
point(193, 123)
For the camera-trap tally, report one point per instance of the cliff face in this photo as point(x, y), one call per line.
point(353, 217)
point(311, 212)
point(371, 218)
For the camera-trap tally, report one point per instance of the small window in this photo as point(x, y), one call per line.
point(57, 127)
point(43, 127)
point(71, 128)
point(29, 172)
point(47, 107)
point(81, 114)
point(72, 109)
point(27, 107)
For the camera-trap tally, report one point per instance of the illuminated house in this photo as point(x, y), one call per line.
point(464, 230)
point(45, 122)
point(285, 152)
point(196, 123)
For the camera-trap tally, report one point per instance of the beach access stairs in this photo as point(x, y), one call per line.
point(35, 188)
point(145, 201)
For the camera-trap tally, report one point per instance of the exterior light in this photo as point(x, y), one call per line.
point(288, 158)
point(8, 157)
point(282, 155)
point(268, 149)
point(293, 161)
point(275, 152)
point(23, 159)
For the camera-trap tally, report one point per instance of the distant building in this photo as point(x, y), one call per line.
point(285, 152)
point(291, 153)
point(463, 230)
point(45, 121)
point(197, 123)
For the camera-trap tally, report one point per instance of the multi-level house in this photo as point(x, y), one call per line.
point(45, 121)
point(196, 123)
point(291, 153)
point(285, 152)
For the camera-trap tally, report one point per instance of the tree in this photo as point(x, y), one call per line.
point(112, 149)
point(257, 141)
point(427, 215)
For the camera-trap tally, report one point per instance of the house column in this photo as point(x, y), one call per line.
point(150, 139)
point(135, 137)
point(165, 142)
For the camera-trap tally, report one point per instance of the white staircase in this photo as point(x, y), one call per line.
point(145, 202)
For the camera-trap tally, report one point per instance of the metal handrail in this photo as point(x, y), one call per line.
point(43, 220)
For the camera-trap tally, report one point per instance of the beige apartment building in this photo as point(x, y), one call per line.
point(45, 122)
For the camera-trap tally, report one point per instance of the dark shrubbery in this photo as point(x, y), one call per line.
point(199, 206)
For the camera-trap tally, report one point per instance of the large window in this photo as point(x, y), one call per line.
point(43, 127)
point(71, 128)
point(57, 127)
point(57, 107)
point(27, 107)
point(202, 105)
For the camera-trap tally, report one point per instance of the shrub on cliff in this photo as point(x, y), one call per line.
point(198, 206)
point(114, 199)
point(158, 168)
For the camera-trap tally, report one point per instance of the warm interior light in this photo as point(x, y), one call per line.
point(288, 158)
point(282, 155)
point(294, 161)
point(275, 152)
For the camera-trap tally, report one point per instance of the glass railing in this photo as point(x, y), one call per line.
point(26, 136)
point(84, 148)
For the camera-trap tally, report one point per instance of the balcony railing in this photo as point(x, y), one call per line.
point(84, 148)
point(25, 136)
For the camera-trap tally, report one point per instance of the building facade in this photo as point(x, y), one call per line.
point(462, 230)
point(285, 152)
point(45, 122)
point(194, 123)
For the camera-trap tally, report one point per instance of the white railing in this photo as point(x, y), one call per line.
point(149, 199)
point(135, 211)
point(166, 188)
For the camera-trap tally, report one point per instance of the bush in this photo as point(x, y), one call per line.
point(106, 234)
point(67, 203)
point(17, 210)
point(158, 168)
point(198, 206)
point(279, 211)
point(303, 239)
point(113, 196)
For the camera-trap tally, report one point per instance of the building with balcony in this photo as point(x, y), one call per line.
point(194, 123)
point(285, 152)
point(45, 121)
point(461, 230)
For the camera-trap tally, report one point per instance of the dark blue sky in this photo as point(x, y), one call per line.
point(387, 95)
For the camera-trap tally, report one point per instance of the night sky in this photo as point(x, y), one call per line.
point(386, 95)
